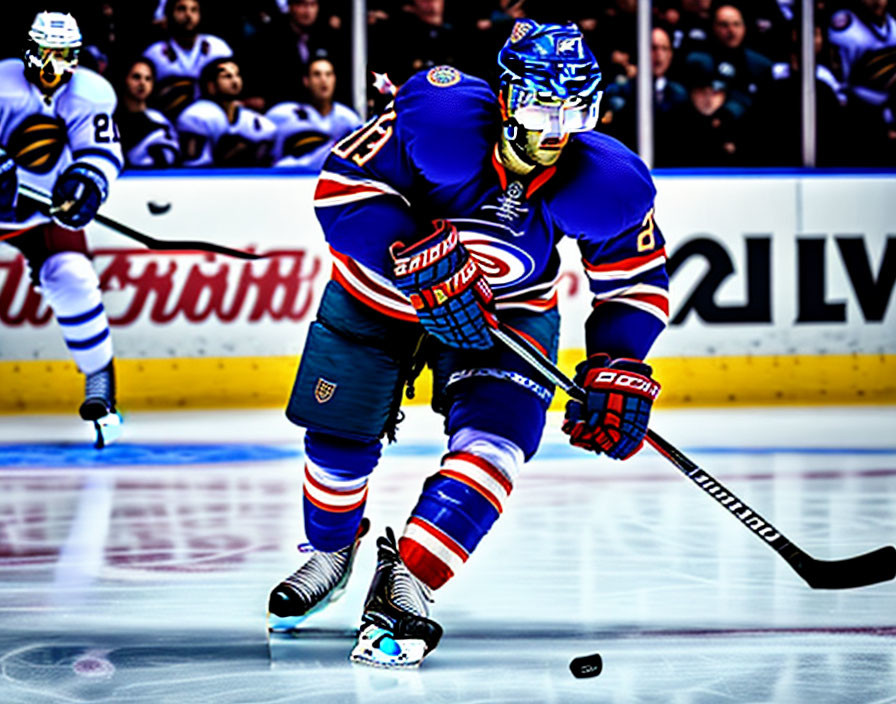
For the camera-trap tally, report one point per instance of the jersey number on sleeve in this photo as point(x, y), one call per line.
point(104, 129)
point(364, 143)
point(646, 239)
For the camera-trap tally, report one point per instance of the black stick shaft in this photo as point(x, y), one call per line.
point(45, 200)
point(862, 570)
point(701, 478)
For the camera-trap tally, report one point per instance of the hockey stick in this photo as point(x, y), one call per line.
point(45, 200)
point(860, 571)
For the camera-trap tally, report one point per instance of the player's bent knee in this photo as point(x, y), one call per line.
point(67, 273)
point(503, 409)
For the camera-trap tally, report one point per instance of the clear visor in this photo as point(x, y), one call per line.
point(59, 60)
point(542, 112)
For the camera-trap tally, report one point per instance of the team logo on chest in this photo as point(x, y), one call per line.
point(511, 204)
point(504, 264)
point(304, 142)
point(173, 94)
point(37, 143)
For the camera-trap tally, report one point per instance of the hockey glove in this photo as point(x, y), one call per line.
point(9, 183)
point(77, 195)
point(613, 419)
point(447, 288)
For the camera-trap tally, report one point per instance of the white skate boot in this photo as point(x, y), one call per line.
point(99, 405)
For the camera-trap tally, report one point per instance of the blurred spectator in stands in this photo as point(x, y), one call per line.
point(382, 10)
point(709, 130)
point(113, 31)
point(780, 122)
point(670, 97)
point(616, 41)
point(307, 131)
point(98, 26)
point(415, 38)
point(148, 139)
point(240, 21)
point(690, 32)
point(619, 118)
point(667, 13)
point(747, 73)
point(864, 40)
point(489, 30)
point(281, 51)
point(180, 58)
point(159, 17)
point(218, 130)
point(771, 26)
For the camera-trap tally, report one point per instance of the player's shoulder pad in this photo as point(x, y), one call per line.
point(261, 125)
point(281, 111)
point(603, 187)
point(158, 53)
point(445, 122)
point(443, 96)
point(200, 116)
point(12, 78)
point(157, 117)
point(841, 20)
point(344, 112)
point(91, 87)
point(217, 47)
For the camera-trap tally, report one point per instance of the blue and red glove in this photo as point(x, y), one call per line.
point(447, 288)
point(78, 194)
point(614, 417)
point(9, 184)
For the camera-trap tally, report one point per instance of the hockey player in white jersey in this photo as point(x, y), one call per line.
point(307, 131)
point(180, 59)
point(865, 42)
point(58, 136)
point(220, 130)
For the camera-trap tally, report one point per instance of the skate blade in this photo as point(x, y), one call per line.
point(377, 648)
point(285, 625)
point(290, 624)
point(108, 429)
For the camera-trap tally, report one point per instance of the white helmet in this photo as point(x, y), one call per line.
point(51, 54)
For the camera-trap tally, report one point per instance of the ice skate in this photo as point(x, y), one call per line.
point(99, 406)
point(396, 631)
point(320, 581)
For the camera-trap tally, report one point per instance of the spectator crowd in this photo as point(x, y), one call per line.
point(268, 82)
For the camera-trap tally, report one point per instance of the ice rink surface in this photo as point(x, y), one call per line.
point(140, 574)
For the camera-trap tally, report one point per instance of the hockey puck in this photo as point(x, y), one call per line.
point(158, 208)
point(586, 666)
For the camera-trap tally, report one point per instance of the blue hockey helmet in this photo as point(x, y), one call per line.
point(549, 78)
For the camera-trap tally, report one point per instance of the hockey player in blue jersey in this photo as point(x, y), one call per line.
point(443, 215)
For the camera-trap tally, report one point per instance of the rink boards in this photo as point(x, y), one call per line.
point(781, 291)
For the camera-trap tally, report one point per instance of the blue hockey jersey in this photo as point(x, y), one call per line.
point(434, 154)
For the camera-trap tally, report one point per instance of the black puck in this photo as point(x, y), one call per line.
point(158, 208)
point(586, 666)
